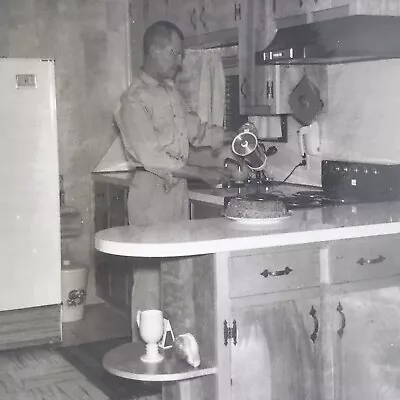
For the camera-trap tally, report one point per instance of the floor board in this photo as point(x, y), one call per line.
point(41, 373)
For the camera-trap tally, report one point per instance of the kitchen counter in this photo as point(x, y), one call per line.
point(258, 297)
point(221, 234)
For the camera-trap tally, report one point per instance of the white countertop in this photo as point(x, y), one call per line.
point(221, 234)
point(216, 196)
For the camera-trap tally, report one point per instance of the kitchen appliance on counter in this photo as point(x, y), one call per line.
point(247, 146)
point(343, 182)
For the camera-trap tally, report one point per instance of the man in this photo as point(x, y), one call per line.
point(156, 130)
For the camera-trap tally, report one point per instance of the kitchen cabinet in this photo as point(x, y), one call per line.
point(264, 90)
point(290, 8)
point(281, 334)
point(294, 12)
point(197, 17)
point(307, 322)
point(153, 11)
point(114, 274)
point(186, 15)
point(366, 344)
point(278, 350)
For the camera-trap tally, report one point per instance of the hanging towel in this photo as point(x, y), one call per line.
point(202, 84)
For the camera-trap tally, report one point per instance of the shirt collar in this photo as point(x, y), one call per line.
point(149, 80)
point(146, 78)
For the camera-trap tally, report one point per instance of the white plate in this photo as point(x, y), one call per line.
point(259, 221)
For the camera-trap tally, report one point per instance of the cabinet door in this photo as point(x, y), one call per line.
point(277, 355)
point(101, 206)
point(121, 281)
point(223, 14)
point(247, 48)
point(118, 213)
point(366, 338)
point(263, 89)
point(153, 11)
point(186, 15)
point(290, 8)
point(137, 28)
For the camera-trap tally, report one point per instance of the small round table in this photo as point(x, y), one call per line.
point(124, 361)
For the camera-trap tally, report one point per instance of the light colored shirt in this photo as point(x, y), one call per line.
point(157, 127)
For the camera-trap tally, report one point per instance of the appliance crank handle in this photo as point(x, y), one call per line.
point(271, 151)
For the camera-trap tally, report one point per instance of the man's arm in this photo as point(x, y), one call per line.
point(141, 142)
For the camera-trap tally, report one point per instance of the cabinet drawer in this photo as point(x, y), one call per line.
point(357, 260)
point(273, 272)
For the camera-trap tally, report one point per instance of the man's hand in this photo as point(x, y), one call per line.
point(215, 175)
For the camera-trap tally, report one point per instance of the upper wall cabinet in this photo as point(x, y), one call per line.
point(197, 17)
point(264, 90)
point(294, 12)
point(153, 11)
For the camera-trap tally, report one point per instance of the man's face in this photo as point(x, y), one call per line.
point(169, 58)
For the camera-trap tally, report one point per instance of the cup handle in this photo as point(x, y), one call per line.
point(139, 313)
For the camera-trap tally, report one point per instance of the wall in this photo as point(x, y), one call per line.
point(88, 40)
point(359, 122)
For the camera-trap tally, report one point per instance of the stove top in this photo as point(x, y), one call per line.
point(343, 182)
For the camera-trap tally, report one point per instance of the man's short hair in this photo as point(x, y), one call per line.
point(158, 32)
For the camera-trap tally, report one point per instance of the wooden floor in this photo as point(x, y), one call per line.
point(43, 374)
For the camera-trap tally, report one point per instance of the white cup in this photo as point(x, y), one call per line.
point(151, 328)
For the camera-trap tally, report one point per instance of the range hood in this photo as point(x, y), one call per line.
point(341, 40)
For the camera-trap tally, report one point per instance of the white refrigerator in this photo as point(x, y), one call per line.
point(30, 255)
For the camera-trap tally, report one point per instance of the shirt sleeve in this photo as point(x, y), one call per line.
point(141, 140)
point(206, 135)
point(202, 134)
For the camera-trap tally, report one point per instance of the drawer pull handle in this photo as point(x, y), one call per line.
point(313, 314)
point(339, 309)
point(192, 19)
point(203, 10)
point(285, 271)
point(376, 260)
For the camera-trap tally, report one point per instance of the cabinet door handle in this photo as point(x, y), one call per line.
point(270, 90)
point(238, 11)
point(282, 272)
point(192, 19)
point(242, 88)
point(301, 3)
point(203, 10)
point(339, 309)
point(313, 314)
point(376, 260)
point(315, 2)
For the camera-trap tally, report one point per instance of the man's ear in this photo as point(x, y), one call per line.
point(153, 50)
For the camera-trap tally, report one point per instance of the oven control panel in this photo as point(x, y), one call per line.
point(365, 181)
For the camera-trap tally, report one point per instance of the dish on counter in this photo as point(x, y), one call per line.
point(259, 221)
point(256, 210)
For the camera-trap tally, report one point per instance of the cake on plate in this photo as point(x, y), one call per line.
point(255, 209)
